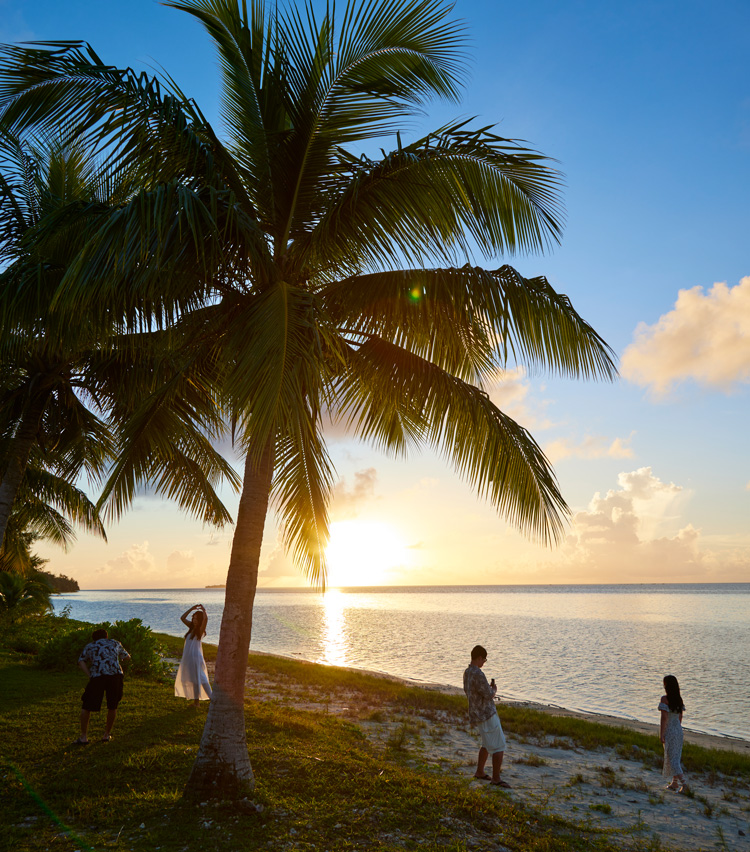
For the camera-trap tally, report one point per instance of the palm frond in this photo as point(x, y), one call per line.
point(390, 387)
point(303, 482)
point(140, 260)
point(275, 356)
point(165, 442)
point(425, 201)
point(470, 320)
point(391, 57)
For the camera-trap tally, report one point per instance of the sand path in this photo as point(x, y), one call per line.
point(623, 794)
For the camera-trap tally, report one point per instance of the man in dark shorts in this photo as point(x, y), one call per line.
point(100, 662)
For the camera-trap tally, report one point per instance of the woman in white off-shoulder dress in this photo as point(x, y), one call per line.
point(670, 733)
point(192, 675)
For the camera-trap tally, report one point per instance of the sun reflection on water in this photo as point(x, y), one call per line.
point(334, 628)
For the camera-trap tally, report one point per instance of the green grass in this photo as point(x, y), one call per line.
point(321, 784)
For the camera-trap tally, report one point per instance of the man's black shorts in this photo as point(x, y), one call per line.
point(97, 687)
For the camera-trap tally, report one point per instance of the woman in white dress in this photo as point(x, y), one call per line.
point(670, 733)
point(192, 675)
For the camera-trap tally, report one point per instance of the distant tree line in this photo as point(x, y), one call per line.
point(61, 582)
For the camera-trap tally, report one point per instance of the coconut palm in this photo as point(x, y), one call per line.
point(21, 596)
point(320, 280)
point(47, 507)
point(69, 384)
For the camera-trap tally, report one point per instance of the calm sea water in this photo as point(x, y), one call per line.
point(601, 649)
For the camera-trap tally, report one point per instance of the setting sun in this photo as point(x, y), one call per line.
point(361, 553)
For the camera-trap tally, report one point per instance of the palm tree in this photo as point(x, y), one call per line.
point(48, 395)
point(21, 596)
point(69, 384)
point(319, 279)
point(47, 507)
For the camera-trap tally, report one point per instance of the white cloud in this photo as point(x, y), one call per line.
point(136, 562)
point(623, 535)
point(705, 338)
point(346, 503)
point(181, 564)
point(510, 391)
point(591, 447)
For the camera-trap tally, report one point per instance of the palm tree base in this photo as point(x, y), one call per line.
point(222, 768)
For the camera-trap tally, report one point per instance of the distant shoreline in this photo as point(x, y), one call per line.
point(446, 586)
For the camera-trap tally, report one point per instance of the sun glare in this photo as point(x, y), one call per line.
point(361, 553)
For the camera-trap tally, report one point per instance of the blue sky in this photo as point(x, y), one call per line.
point(646, 106)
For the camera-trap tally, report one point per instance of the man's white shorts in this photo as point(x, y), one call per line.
point(493, 738)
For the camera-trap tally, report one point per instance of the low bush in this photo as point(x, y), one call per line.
point(143, 646)
point(61, 652)
point(30, 634)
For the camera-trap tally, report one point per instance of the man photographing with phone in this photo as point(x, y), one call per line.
point(483, 716)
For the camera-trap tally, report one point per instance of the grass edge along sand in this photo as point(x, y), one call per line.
point(321, 784)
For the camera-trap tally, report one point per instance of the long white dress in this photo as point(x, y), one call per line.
point(672, 743)
point(192, 675)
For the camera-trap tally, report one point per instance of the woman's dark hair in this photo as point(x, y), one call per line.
point(197, 625)
point(674, 699)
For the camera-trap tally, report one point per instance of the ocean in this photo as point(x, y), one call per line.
point(597, 649)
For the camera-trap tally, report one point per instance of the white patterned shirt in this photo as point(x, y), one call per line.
point(479, 693)
point(103, 657)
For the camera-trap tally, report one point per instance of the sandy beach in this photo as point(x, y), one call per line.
point(622, 794)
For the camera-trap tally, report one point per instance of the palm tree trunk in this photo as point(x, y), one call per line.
point(222, 768)
point(18, 458)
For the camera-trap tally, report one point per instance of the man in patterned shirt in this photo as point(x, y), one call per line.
point(483, 715)
point(100, 662)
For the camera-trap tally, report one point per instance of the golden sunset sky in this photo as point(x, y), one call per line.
point(647, 109)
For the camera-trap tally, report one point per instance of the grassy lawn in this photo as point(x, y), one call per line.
point(320, 783)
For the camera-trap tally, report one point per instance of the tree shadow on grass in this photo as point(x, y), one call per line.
point(22, 685)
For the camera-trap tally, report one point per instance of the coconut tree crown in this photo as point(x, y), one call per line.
point(286, 250)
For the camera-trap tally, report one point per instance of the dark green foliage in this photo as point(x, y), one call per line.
point(31, 634)
point(22, 596)
point(142, 645)
point(61, 582)
point(61, 651)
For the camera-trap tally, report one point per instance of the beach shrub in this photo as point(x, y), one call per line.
point(22, 597)
point(61, 652)
point(29, 635)
point(143, 646)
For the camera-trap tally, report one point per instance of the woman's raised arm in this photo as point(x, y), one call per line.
point(183, 617)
